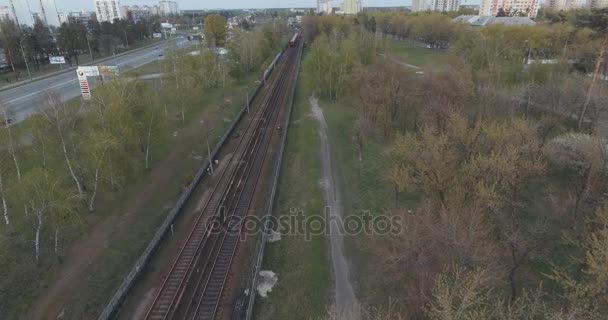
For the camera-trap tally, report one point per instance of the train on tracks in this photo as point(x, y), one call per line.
point(294, 40)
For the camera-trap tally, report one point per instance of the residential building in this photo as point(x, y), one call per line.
point(480, 21)
point(108, 10)
point(420, 5)
point(510, 8)
point(75, 17)
point(168, 8)
point(136, 13)
point(470, 6)
point(562, 5)
point(324, 6)
point(6, 13)
point(597, 4)
point(444, 5)
point(351, 6)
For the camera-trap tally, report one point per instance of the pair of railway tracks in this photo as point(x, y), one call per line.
point(193, 287)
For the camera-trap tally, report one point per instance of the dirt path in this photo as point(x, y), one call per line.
point(345, 300)
point(399, 62)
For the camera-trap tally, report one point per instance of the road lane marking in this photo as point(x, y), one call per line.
point(39, 91)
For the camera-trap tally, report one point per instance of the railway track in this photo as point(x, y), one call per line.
point(194, 285)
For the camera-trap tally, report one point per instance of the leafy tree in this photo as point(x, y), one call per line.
point(47, 201)
point(10, 37)
point(72, 39)
point(587, 286)
point(215, 30)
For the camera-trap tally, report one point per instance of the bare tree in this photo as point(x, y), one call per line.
point(62, 121)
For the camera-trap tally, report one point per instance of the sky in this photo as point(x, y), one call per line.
point(77, 5)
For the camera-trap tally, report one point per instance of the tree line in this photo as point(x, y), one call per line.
point(511, 219)
point(71, 39)
point(58, 163)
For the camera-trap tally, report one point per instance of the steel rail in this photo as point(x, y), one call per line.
point(211, 296)
point(174, 284)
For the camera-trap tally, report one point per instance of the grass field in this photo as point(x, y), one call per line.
point(128, 218)
point(421, 57)
point(364, 190)
point(304, 276)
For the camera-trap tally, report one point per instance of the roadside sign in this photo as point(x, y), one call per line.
point(90, 71)
point(157, 35)
point(111, 70)
point(57, 59)
point(85, 89)
point(194, 28)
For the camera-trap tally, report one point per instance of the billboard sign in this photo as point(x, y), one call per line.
point(57, 59)
point(157, 35)
point(85, 89)
point(108, 70)
point(90, 71)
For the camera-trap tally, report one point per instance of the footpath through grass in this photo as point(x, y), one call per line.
point(421, 57)
point(364, 189)
point(304, 283)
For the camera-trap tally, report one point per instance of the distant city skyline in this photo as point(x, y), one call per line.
point(89, 5)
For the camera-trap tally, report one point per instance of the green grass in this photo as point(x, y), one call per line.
point(364, 189)
point(421, 57)
point(303, 290)
point(90, 294)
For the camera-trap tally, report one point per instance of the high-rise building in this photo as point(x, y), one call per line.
point(13, 12)
point(510, 8)
point(444, 5)
point(351, 6)
point(420, 5)
point(6, 13)
point(107, 10)
point(559, 5)
point(324, 6)
point(597, 4)
point(168, 8)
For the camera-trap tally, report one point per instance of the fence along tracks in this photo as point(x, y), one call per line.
point(188, 291)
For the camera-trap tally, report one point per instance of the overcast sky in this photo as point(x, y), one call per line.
point(77, 5)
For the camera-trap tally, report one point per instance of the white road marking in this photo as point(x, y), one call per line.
point(72, 80)
point(40, 91)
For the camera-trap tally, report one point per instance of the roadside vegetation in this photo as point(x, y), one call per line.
point(494, 164)
point(78, 171)
point(304, 275)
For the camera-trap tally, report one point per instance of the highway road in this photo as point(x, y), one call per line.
point(29, 98)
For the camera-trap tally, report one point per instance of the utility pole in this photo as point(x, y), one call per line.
point(25, 58)
point(15, 13)
point(43, 12)
point(57, 12)
point(209, 149)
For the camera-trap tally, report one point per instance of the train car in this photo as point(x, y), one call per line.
point(294, 40)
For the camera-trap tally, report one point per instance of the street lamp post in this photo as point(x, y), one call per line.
point(126, 38)
point(29, 74)
point(209, 149)
point(89, 45)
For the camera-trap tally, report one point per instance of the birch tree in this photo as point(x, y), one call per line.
point(7, 220)
point(62, 122)
point(10, 139)
point(96, 147)
point(45, 197)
